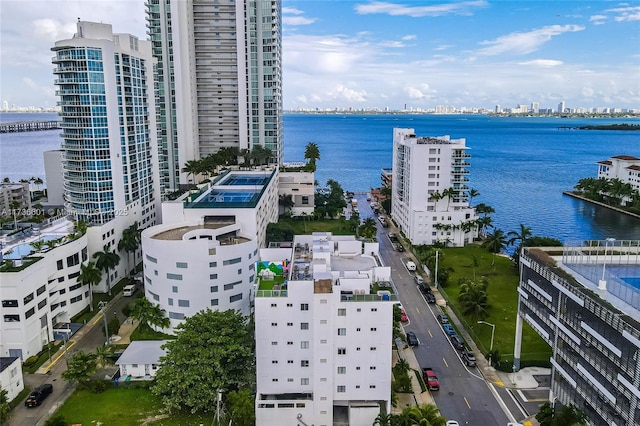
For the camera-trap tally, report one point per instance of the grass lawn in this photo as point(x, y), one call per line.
point(268, 284)
point(503, 302)
point(144, 332)
point(124, 407)
point(307, 226)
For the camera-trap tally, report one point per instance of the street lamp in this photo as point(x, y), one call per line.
point(493, 331)
point(602, 284)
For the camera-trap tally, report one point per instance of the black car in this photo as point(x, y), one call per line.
point(443, 319)
point(431, 298)
point(469, 358)
point(457, 342)
point(412, 339)
point(38, 395)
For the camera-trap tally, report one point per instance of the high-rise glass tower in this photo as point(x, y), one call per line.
point(105, 84)
point(219, 79)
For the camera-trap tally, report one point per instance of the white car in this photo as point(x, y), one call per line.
point(411, 266)
point(452, 423)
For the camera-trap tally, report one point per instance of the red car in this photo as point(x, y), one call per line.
point(404, 318)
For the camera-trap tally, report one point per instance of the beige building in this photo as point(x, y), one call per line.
point(10, 192)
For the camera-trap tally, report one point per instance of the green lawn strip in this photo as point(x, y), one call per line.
point(144, 332)
point(503, 302)
point(268, 284)
point(307, 226)
point(121, 406)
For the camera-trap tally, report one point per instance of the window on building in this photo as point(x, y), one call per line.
point(235, 298)
point(214, 289)
point(342, 312)
point(214, 302)
point(342, 351)
point(213, 264)
point(183, 303)
point(213, 276)
point(304, 306)
point(33, 311)
point(232, 261)
point(12, 318)
point(174, 288)
point(10, 303)
point(304, 381)
point(182, 265)
point(342, 388)
point(304, 326)
point(342, 332)
point(59, 264)
point(304, 344)
point(41, 290)
point(176, 315)
point(304, 363)
point(174, 276)
point(342, 370)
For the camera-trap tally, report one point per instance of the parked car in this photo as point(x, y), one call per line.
point(38, 395)
point(431, 379)
point(457, 342)
point(443, 319)
point(404, 318)
point(448, 329)
point(412, 339)
point(418, 280)
point(410, 266)
point(469, 358)
point(452, 423)
point(431, 298)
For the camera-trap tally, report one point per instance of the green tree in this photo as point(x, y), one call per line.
point(106, 260)
point(425, 414)
point(495, 242)
point(520, 237)
point(91, 275)
point(80, 368)
point(130, 242)
point(545, 414)
point(368, 229)
point(149, 314)
point(241, 408)
point(5, 408)
point(102, 354)
point(280, 231)
point(473, 193)
point(286, 203)
point(261, 154)
point(192, 168)
point(57, 420)
point(113, 326)
point(312, 153)
point(569, 415)
point(473, 298)
point(212, 350)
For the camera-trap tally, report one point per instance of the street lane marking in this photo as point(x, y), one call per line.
point(417, 310)
point(430, 335)
point(60, 356)
point(445, 362)
point(465, 400)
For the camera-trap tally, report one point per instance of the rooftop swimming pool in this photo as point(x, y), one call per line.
point(237, 180)
point(223, 196)
point(21, 250)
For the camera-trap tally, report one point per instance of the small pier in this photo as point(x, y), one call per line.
point(29, 126)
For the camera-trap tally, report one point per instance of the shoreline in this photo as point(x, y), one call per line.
point(597, 203)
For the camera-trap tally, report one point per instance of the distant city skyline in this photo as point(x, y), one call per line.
point(387, 54)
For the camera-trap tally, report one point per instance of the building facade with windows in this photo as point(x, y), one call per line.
point(109, 145)
point(584, 301)
point(323, 341)
point(296, 192)
point(39, 288)
point(623, 167)
point(429, 189)
point(219, 68)
point(11, 378)
point(204, 254)
point(16, 196)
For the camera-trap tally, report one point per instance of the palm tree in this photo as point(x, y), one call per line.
point(449, 193)
point(37, 245)
point(149, 314)
point(495, 242)
point(90, 274)
point(473, 193)
point(473, 299)
point(484, 223)
point(286, 202)
point(520, 237)
point(192, 168)
point(368, 228)
point(425, 414)
point(312, 153)
point(102, 356)
point(435, 197)
point(383, 420)
point(130, 242)
point(106, 260)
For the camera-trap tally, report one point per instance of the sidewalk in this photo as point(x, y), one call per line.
point(417, 397)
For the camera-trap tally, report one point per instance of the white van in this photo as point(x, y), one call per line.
point(128, 290)
point(411, 266)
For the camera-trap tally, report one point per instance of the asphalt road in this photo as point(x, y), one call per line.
point(87, 339)
point(464, 394)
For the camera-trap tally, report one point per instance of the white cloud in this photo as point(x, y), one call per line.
point(292, 11)
point(379, 7)
point(316, 55)
point(393, 44)
point(523, 43)
point(420, 92)
point(297, 20)
point(344, 93)
point(598, 19)
point(631, 13)
point(409, 37)
point(542, 63)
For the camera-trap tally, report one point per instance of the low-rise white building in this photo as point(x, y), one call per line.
point(203, 256)
point(300, 186)
point(141, 359)
point(323, 341)
point(39, 287)
point(11, 376)
point(429, 191)
point(623, 167)
point(15, 192)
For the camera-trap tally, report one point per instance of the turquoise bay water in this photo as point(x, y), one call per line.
point(520, 166)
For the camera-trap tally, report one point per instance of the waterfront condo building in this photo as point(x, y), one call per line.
point(203, 255)
point(219, 79)
point(323, 340)
point(626, 168)
point(429, 189)
point(14, 198)
point(584, 300)
point(110, 172)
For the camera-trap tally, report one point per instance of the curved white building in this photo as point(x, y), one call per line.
point(192, 266)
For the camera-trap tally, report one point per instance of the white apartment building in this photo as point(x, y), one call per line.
point(429, 192)
point(54, 177)
point(203, 255)
point(300, 186)
point(219, 79)
point(14, 195)
point(323, 341)
point(623, 167)
point(11, 378)
point(39, 287)
point(109, 160)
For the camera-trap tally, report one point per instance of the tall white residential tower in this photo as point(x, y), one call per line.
point(219, 67)
point(429, 193)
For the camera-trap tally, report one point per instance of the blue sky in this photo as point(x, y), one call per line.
point(361, 53)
